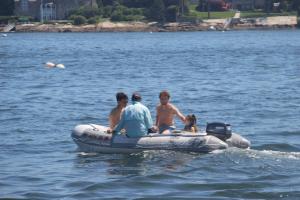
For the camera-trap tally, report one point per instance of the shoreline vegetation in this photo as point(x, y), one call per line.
point(276, 22)
point(153, 16)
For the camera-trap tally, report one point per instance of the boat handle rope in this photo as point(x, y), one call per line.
point(94, 127)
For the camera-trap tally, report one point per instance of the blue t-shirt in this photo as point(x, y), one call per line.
point(135, 119)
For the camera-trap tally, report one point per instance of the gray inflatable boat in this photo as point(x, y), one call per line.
point(94, 138)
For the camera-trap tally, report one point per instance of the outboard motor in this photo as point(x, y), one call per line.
point(219, 130)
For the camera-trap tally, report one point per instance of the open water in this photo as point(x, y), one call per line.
point(250, 79)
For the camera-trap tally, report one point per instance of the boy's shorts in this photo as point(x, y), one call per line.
point(162, 128)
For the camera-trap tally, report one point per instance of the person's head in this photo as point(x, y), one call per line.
point(190, 120)
point(164, 97)
point(122, 99)
point(136, 97)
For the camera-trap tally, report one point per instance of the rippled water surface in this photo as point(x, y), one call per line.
point(250, 79)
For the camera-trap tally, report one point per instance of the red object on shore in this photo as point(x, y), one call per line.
point(219, 5)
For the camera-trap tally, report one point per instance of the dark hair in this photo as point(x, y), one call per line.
point(192, 118)
point(193, 123)
point(120, 96)
point(164, 93)
point(136, 97)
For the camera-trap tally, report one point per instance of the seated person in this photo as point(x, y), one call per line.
point(135, 119)
point(115, 114)
point(165, 114)
point(191, 124)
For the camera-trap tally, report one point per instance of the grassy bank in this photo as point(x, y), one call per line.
point(244, 14)
point(254, 14)
point(7, 19)
point(213, 15)
point(228, 14)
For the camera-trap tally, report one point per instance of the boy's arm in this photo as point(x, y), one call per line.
point(148, 119)
point(110, 121)
point(179, 114)
point(120, 125)
point(156, 120)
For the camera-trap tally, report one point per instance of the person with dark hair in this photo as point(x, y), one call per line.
point(165, 113)
point(191, 124)
point(115, 114)
point(135, 119)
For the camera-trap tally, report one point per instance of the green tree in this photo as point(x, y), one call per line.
point(87, 12)
point(107, 11)
point(7, 7)
point(201, 5)
point(107, 2)
point(296, 6)
point(137, 3)
point(184, 7)
point(100, 3)
point(117, 15)
point(172, 13)
point(157, 11)
point(79, 20)
point(93, 20)
point(91, 12)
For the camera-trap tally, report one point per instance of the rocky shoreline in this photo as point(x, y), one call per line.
point(215, 24)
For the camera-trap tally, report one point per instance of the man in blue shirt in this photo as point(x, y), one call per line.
point(135, 119)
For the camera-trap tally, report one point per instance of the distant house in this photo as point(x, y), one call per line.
point(246, 4)
point(213, 5)
point(45, 10)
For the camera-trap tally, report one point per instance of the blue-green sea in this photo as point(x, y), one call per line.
point(250, 79)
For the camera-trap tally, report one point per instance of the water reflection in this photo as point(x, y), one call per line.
point(144, 163)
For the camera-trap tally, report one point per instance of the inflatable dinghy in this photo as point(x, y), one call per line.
point(94, 138)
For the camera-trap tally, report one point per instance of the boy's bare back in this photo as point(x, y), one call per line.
point(114, 116)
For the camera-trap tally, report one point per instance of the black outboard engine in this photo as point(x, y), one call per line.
point(219, 130)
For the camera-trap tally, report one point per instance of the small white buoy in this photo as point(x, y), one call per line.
point(52, 65)
point(61, 66)
point(4, 35)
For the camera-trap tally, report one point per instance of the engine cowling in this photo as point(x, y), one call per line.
point(219, 130)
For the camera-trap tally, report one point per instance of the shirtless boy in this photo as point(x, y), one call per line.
point(115, 114)
point(165, 113)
